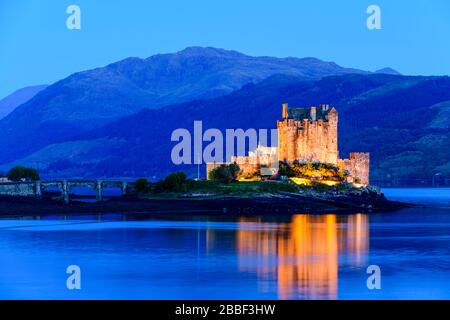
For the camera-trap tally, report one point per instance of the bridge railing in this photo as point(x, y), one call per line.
point(35, 188)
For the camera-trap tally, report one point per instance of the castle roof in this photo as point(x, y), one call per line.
point(307, 113)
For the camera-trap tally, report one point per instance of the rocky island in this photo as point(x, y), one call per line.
point(303, 174)
point(179, 195)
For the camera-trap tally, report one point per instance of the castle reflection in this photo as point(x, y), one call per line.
point(302, 256)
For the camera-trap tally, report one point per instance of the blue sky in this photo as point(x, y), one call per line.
point(37, 48)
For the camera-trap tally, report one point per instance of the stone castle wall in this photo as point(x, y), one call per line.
point(257, 160)
point(247, 168)
point(307, 140)
point(359, 167)
point(309, 136)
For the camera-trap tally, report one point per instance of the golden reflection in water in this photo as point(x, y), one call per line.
point(302, 256)
point(358, 238)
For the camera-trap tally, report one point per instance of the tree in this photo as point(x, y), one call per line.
point(313, 170)
point(23, 174)
point(225, 173)
point(284, 169)
point(142, 185)
point(173, 182)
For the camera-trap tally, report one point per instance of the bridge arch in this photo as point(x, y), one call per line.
point(98, 185)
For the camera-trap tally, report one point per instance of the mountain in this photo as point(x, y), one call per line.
point(117, 121)
point(15, 99)
point(389, 71)
point(402, 121)
point(94, 98)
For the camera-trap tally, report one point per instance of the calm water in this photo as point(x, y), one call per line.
point(210, 257)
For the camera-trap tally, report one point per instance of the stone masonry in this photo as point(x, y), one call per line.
point(306, 134)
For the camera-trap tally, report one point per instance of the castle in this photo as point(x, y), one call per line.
point(305, 135)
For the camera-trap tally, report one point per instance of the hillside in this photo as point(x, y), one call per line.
point(93, 98)
point(9, 103)
point(403, 121)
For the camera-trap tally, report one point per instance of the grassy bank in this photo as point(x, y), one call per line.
point(239, 187)
point(243, 189)
point(209, 189)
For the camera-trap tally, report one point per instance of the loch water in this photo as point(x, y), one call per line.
point(300, 256)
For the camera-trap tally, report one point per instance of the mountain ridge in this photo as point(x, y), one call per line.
point(388, 70)
point(116, 121)
point(139, 144)
point(9, 103)
point(93, 98)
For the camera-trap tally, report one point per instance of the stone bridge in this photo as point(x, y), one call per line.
point(36, 188)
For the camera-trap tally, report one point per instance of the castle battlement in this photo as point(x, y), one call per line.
point(358, 165)
point(308, 134)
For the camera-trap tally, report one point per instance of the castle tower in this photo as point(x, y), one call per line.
point(313, 115)
point(308, 134)
point(332, 134)
point(284, 114)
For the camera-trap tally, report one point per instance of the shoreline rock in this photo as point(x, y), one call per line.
point(264, 204)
